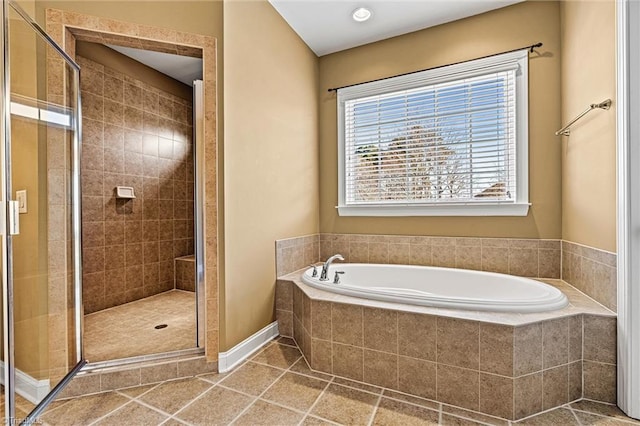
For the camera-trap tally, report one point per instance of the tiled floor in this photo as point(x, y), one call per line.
point(23, 407)
point(128, 330)
point(276, 387)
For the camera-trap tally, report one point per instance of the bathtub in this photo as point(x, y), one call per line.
point(440, 287)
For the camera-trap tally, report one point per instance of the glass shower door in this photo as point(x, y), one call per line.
point(41, 181)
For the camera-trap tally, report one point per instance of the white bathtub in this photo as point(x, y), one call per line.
point(440, 287)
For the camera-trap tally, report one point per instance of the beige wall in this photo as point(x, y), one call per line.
point(493, 32)
point(201, 17)
point(271, 167)
point(589, 154)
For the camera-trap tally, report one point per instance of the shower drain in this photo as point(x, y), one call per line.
point(159, 326)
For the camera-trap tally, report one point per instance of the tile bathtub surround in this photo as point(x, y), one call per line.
point(284, 390)
point(185, 273)
point(296, 253)
point(134, 135)
point(510, 371)
point(522, 257)
point(592, 271)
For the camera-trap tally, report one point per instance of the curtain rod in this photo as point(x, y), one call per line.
point(530, 48)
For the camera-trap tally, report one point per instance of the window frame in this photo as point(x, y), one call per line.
point(519, 207)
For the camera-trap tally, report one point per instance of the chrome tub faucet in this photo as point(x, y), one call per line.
point(325, 267)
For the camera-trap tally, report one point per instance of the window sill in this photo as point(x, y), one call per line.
point(484, 209)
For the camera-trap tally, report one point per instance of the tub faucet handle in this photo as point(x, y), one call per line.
point(336, 277)
point(314, 273)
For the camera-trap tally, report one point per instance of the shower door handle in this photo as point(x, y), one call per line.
point(14, 218)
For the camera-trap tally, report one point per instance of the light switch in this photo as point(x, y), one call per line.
point(21, 198)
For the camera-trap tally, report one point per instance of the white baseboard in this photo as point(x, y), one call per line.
point(27, 387)
point(243, 350)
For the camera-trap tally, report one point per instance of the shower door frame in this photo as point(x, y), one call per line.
point(5, 195)
point(628, 200)
point(70, 27)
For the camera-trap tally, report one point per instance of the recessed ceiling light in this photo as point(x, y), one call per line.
point(361, 14)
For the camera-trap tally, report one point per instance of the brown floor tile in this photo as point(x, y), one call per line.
point(252, 378)
point(345, 405)
point(213, 377)
point(471, 415)
point(172, 396)
point(457, 421)
point(357, 385)
point(588, 419)
point(411, 399)
point(602, 409)
point(278, 355)
point(286, 341)
point(302, 367)
point(314, 421)
point(53, 405)
point(391, 412)
point(263, 413)
point(85, 410)
point(216, 406)
point(559, 416)
point(136, 391)
point(295, 391)
point(342, 402)
point(131, 411)
point(174, 422)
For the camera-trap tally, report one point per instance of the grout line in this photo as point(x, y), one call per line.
point(575, 416)
point(462, 416)
point(479, 369)
point(387, 396)
point(319, 418)
point(548, 410)
point(259, 396)
point(317, 399)
point(301, 358)
point(375, 410)
point(467, 418)
point(156, 409)
point(153, 386)
point(633, 421)
point(286, 407)
point(111, 412)
point(197, 398)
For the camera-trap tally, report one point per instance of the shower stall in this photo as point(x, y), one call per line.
point(40, 216)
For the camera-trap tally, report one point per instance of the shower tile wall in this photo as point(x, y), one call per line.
point(133, 135)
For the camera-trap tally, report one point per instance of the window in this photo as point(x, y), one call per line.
point(451, 141)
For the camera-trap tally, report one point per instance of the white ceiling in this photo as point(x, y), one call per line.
point(327, 27)
point(182, 68)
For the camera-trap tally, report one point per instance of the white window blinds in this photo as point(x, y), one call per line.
point(451, 139)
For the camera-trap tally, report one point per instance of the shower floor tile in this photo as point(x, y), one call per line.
point(129, 330)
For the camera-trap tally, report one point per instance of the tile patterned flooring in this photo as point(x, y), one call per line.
point(276, 387)
point(23, 407)
point(128, 330)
